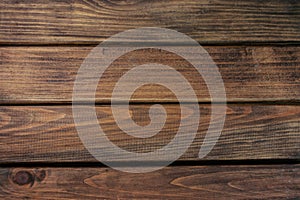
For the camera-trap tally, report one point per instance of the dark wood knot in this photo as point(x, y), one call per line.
point(27, 178)
point(40, 175)
point(23, 178)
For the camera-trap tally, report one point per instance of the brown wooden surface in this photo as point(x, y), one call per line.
point(255, 44)
point(184, 182)
point(91, 21)
point(47, 74)
point(47, 133)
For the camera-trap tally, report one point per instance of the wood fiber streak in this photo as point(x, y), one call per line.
point(92, 21)
point(48, 134)
point(207, 182)
point(47, 74)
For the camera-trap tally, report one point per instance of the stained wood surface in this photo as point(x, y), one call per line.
point(255, 45)
point(48, 134)
point(47, 74)
point(91, 21)
point(209, 182)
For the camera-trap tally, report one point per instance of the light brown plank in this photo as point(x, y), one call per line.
point(47, 74)
point(47, 133)
point(91, 21)
point(205, 182)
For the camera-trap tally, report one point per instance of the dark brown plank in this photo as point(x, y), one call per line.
point(47, 74)
point(47, 133)
point(91, 21)
point(205, 182)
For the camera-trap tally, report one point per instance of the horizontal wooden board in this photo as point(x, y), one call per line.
point(207, 182)
point(48, 134)
point(47, 74)
point(92, 21)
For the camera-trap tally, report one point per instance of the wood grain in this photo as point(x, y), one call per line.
point(47, 74)
point(47, 133)
point(42, 45)
point(91, 21)
point(205, 182)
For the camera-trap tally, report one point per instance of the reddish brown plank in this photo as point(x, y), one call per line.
point(47, 74)
point(91, 21)
point(47, 133)
point(205, 182)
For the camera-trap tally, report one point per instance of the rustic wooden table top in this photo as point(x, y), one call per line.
point(256, 47)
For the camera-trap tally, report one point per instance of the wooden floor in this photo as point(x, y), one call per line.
point(256, 46)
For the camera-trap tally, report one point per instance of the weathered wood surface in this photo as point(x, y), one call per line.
point(90, 21)
point(47, 74)
point(47, 133)
point(42, 45)
point(184, 182)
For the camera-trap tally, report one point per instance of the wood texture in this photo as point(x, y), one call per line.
point(47, 133)
point(91, 21)
point(42, 45)
point(205, 182)
point(47, 74)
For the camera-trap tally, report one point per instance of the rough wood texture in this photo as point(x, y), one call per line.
point(201, 182)
point(47, 133)
point(42, 45)
point(47, 74)
point(90, 21)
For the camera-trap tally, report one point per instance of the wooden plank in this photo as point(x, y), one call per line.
point(47, 74)
point(207, 182)
point(82, 22)
point(47, 133)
